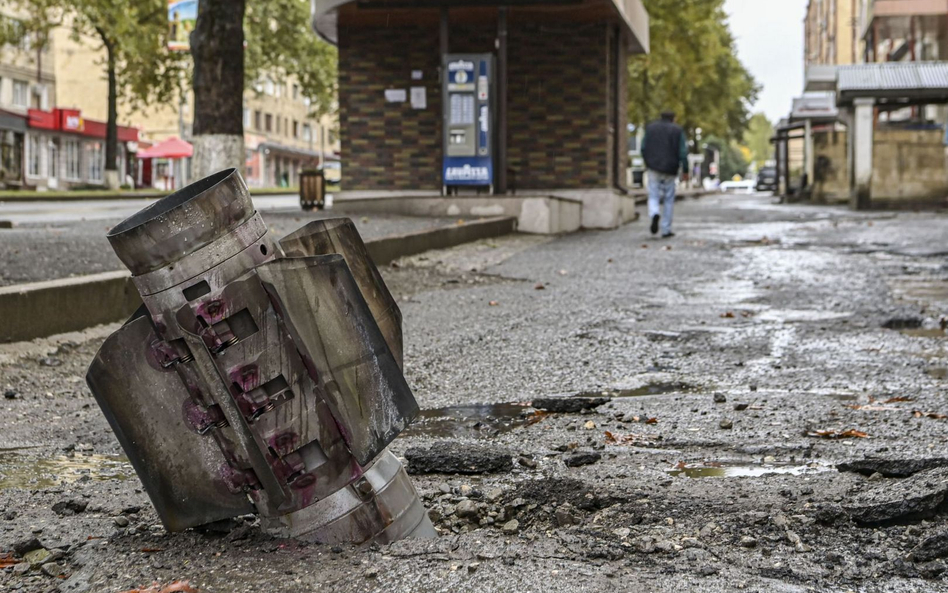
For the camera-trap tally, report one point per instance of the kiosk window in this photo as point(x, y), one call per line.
point(462, 109)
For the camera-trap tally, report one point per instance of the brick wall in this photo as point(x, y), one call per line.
point(558, 124)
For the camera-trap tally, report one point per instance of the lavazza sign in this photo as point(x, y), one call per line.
point(466, 173)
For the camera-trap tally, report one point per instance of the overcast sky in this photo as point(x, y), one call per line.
point(769, 37)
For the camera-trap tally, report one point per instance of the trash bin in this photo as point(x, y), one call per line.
point(312, 189)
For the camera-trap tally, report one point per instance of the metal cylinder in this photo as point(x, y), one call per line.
point(270, 374)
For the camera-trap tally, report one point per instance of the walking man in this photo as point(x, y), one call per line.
point(665, 150)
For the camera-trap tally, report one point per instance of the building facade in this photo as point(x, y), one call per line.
point(903, 30)
point(830, 32)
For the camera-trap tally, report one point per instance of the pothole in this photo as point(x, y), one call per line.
point(714, 469)
point(660, 388)
point(473, 420)
point(921, 332)
point(21, 471)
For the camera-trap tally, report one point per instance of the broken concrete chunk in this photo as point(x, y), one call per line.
point(568, 405)
point(931, 547)
point(23, 546)
point(892, 468)
point(582, 458)
point(65, 508)
point(456, 458)
point(910, 499)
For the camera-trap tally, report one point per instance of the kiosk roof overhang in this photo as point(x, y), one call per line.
point(899, 82)
point(631, 14)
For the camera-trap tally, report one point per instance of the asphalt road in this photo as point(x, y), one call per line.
point(808, 322)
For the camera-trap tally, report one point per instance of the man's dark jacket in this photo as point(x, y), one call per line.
point(665, 147)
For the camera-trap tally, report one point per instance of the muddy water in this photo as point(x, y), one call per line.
point(934, 332)
point(644, 390)
point(19, 470)
point(474, 420)
point(743, 470)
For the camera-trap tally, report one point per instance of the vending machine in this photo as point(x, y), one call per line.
point(468, 121)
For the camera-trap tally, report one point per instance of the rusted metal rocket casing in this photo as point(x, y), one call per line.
point(259, 376)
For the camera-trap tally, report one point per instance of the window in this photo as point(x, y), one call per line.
point(21, 93)
point(268, 87)
point(307, 132)
point(286, 126)
point(296, 129)
point(269, 123)
point(71, 154)
point(256, 120)
point(278, 124)
point(34, 158)
point(95, 160)
point(296, 91)
point(52, 162)
point(246, 117)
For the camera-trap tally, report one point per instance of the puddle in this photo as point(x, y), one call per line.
point(650, 389)
point(843, 397)
point(800, 315)
point(743, 470)
point(934, 332)
point(475, 420)
point(938, 372)
point(21, 471)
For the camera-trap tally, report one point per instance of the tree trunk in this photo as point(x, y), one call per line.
point(111, 126)
point(217, 47)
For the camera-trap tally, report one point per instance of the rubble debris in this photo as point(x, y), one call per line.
point(568, 405)
point(892, 468)
point(10, 394)
point(851, 433)
point(910, 499)
point(175, 587)
point(22, 547)
point(527, 462)
point(229, 331)
point(511, 527)
point(719, 398)
point(933, 546)
point(726, 424)
point(457, 458)
point(65, 508)
point(581, 458)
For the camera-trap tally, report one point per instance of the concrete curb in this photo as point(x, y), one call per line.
point(39, 309)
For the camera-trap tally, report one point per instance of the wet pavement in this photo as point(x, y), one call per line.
point(743, 361)
point(51, 240)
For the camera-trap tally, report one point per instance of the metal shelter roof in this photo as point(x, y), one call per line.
point(902, 82)
point(817, 107)
point(630, 13)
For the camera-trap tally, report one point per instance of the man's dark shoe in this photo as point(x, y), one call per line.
point(654, 224)
point(668, 235)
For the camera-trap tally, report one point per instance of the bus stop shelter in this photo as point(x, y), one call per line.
point(559, 123)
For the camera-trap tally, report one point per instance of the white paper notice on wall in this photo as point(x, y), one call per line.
point(419, 97)
point(395, 96)
point(416, 74)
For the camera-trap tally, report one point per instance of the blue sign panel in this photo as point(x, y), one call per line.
point(468, 170)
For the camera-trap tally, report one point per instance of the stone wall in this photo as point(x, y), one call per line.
point(558, 106)
point(831, 178)
point(909, 165)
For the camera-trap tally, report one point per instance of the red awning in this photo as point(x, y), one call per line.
point(172, 148)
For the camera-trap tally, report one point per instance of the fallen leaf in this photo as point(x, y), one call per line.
point(652, 421)
point(6, 560)
point(644, 246)
point(934, 415)
point(901, 398)
point(728, 315)
point(539, 286)
point(175, 587)
point(667, 248)
point(747, 313)
point(460, 222)
point(625, 439)
point(609, 260)
point(395, 264)
point(563, 272)
point(493, 303)
point(851, 433)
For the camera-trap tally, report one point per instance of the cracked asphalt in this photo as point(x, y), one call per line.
point(744, 359)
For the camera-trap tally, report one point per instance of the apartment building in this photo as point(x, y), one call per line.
point(903, 30)
point(830, 30)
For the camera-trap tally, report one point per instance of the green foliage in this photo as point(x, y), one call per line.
point(281, 43)
point(134, 32)
point(692, 70)
point(733, 162)
point(757, 139)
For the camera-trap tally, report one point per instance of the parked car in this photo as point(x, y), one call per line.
point(767, 179)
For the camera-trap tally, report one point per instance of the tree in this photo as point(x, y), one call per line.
point(692, 69)
point(139, 67)
point(757, 139)
point(733, 160)
point(280, 44)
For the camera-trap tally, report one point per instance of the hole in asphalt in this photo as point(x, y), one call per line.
point(712, 469)
point(901, 323)
point(22, 471)
point(649, 389)
point(474, 420)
